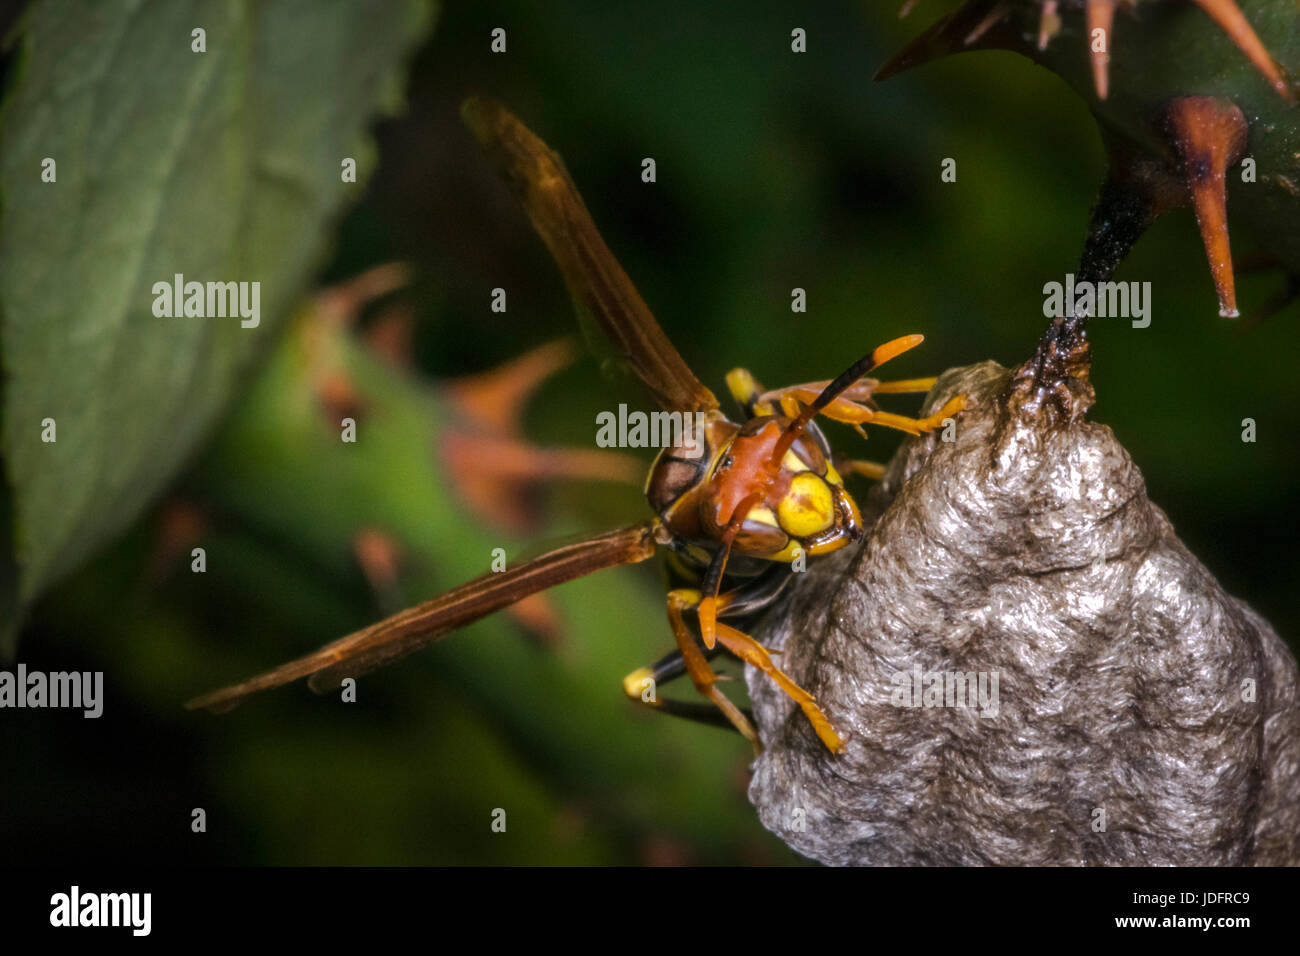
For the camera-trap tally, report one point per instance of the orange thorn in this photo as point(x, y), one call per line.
point(999, 11)
point(343, 302)
point(494, 399)
point(389, 335)
point(1209, 135)
point(379, 556)
point(507, 458)
point(1101, 16)
point(181, 525)
point(1049, 23)
point(489, 496)
point(537, 614)
point(966, 28)
point(494, 473)
point(338, 397)
point(1233, 22)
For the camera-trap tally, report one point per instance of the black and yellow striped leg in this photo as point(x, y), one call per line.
point(642, 687)
point(697, 665)
point(693, 659)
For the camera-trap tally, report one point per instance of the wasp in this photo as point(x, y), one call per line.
point(740, 506)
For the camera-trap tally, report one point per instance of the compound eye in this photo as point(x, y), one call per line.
point(808, 508)
point(670, 479)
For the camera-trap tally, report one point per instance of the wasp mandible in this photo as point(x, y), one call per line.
point(739, 506)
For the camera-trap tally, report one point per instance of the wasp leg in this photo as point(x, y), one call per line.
point(753, 400)
point(844, 409)
point(858, 392)
point(697, 665)
point(642, 686)
point(902, 386)
point(913, 426)
point(694, 661)
point(738, 602)
point(754, 653)
point(858, 466)
point(748, 393)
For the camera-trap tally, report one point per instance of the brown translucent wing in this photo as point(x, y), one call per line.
point(601, 290)
point(419, 626)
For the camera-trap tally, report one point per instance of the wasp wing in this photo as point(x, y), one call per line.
point(419, 626)
point(600, 288)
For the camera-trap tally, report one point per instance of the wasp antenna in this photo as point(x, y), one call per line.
point(877, 357)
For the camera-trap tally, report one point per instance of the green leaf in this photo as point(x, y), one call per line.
point(221, 165)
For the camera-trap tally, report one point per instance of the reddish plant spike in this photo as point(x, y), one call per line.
point(380, 558)
point(1233, 22)
point(999, 12)
point(540, 620)
point(495, 399)
point(1101, 16)
point(1208, 135)
point(1049, 23)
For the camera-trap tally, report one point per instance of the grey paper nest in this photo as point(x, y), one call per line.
point(1143, 716)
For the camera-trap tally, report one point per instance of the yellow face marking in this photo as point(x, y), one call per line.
point(791, 551)
point(808, 508)
point(763, 515)
point(792, 462)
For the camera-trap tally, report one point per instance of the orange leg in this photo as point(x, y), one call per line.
point(752, 652)
point(697, 666)
point(901, 386)
point(919, 426)
point(749, 651)
point(643, 684)
point(857, 466)
point(862, 391)
point(845, 409)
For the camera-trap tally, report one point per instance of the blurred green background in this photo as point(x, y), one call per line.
point(775, 170)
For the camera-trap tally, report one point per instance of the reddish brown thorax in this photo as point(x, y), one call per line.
point(746, 470)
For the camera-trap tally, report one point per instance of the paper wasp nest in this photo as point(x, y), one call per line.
point(1141, 715)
